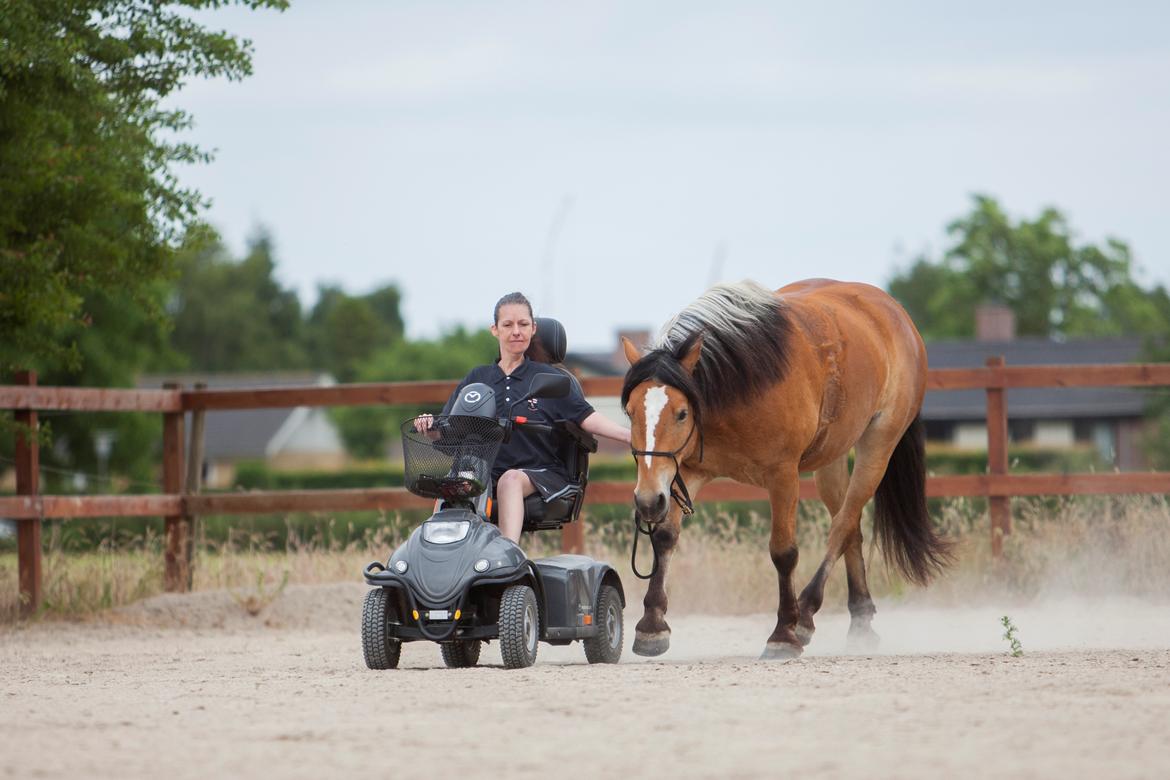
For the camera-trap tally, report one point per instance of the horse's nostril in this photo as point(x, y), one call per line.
point(660, 504)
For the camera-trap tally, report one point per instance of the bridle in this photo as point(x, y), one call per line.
point(678, 491)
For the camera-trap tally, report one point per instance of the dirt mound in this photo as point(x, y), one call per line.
point(332, 607)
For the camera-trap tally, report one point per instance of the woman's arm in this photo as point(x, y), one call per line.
point(600, 425)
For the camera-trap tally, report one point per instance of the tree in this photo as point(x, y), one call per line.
point(89, 201)
point(1055, 286)
point(345, 331)
point(233, 315)
point(366, 429)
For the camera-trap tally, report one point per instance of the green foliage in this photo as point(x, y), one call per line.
point(1056, 286)
point(233, 315)
point(88, 198)
point(90, 209)
point(366, 430)
point(345, 331)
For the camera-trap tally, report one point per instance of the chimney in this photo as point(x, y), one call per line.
point(994, 322)
point(641, 339)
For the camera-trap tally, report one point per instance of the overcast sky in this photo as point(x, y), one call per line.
point(612, 159)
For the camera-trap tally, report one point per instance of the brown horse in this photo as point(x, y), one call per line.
point(760, 386)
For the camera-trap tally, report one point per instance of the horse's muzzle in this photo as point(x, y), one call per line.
point(651, 511)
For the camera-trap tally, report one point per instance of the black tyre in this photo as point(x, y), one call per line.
point(606, 647)
point(380, 649)
point(519, 627)
point(461, 653)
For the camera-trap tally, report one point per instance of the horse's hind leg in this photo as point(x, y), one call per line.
point(832, 481)
point(862, 638)
point(872, 456)
point(784, 642)
point(832, 484)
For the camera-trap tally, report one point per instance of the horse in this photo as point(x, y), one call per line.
point(759, 386)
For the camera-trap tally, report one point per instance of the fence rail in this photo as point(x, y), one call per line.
point(180, 500)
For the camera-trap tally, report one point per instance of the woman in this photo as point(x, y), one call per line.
point(528, 464)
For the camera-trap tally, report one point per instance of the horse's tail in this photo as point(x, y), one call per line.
point(901, 520)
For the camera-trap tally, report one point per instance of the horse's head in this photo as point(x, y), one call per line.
point(662, 401)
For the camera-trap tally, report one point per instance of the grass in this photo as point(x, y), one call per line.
point(1085, 546)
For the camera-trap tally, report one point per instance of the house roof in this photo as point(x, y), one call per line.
point(1041, 402)
point(236, 435)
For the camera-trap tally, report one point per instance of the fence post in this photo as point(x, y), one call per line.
point(28, 532)
point(175, 576)
point(573, 537)
point(999, 507)
point(194, 485)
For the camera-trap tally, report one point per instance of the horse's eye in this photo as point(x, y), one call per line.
point(682, 415)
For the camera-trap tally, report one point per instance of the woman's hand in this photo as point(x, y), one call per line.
point(423, 422)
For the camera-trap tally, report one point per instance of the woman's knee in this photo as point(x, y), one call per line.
point(512, 480)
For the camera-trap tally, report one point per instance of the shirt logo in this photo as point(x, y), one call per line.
point(472, 396)
point(532, 404)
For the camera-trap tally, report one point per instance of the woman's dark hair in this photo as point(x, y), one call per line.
point(535, 349)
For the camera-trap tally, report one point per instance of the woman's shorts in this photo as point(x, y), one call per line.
point(550, 484)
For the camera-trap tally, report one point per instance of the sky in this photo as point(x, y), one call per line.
point(614, 159)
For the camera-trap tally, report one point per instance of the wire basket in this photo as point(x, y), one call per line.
point(453, 458)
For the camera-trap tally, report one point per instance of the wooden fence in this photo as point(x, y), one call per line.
point(181, 500)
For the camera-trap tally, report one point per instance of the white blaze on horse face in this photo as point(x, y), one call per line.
point(655, 403)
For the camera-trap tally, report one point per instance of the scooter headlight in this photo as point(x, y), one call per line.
point(445, 531)
point(481, 565)
point(400, 567)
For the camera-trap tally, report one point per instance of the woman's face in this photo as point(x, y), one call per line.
point(514, 329)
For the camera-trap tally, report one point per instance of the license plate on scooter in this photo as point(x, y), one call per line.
point(438, 614)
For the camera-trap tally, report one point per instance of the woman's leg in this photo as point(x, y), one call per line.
point(511, 489)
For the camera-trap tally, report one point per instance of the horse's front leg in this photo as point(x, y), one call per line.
point(784, 643)
point(652, 634)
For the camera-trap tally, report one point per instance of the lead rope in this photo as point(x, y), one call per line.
point(639, 529)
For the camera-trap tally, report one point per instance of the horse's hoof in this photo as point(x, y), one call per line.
point(781, 651)
point(804, 634)
point(651, 644)
point(862, 640)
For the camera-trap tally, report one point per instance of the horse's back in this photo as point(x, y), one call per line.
point(875, 334)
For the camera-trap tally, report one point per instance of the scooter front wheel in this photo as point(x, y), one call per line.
point(519, 627)
point(379, 648)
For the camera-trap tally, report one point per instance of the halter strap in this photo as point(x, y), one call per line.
point(678, 488)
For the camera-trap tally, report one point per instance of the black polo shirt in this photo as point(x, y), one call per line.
point(526, 451)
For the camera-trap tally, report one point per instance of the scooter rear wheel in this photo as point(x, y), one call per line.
point(606, 647)
point(461, 653)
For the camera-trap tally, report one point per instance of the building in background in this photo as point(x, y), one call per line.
point(1109, 419)
point(302, 437)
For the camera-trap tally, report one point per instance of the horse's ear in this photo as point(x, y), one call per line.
point(691, 359)
point(632, 353)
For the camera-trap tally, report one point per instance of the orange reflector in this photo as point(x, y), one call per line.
point(414, 612)
point(458, 614)
point(588, 620)
point(489, 507)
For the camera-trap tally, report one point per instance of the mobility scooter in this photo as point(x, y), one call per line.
point(457, 581)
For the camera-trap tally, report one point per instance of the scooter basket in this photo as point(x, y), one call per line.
point(453, 458)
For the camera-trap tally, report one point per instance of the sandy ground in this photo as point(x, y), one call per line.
point(191, 686)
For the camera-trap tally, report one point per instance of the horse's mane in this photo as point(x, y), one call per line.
point(745, 333)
